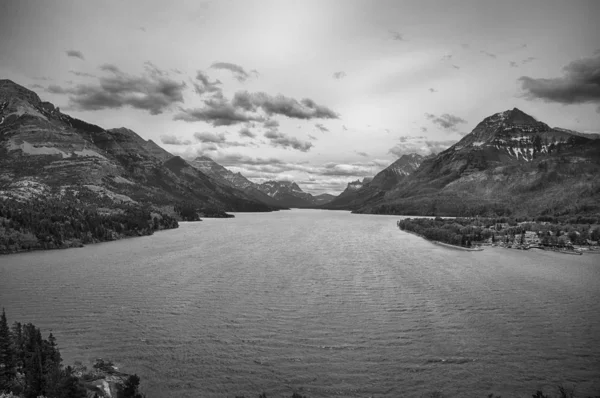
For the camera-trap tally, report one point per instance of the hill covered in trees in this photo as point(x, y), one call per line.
point(31, 367)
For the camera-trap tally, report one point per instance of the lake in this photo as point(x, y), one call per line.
point(320, 302)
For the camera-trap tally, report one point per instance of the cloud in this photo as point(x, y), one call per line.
point(579, 84)
point(456, 66)
point(312, 137)
point(339, 75)
point(271, 123)
point(173, 140)
point(149, 92)
point(446, 120)
point(75, 54)
point(109, 68)
point(420, 145)
point(81, 74)
point(218, 112)
point(281, 105)
point(396, 36)
point(210, 137)
point(513, 64)
point(447, 57)
point(487, 53)
point(205, 85)
point(465, 46)
point(321, 127)
point(213, 140)
point(37, 86)
point(238, 72)
point(423, 129)
point(528, 60)
point(406, 138)
point(433, 90)
point(43, 78)
point(349, 170)
point(246, 132)
point(233, 159)
point(363, 154)
point(278, 139)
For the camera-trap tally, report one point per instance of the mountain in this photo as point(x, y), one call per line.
point(323, 198)
point(46, 153)
point(358, 193)
point(288, 193)
point(236, 180)
point(510, 164)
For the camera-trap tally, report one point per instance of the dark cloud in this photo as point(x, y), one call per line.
point(271, 123)
point(312, 137)
point(218, 112)
point(446, 120)
point(173, 140)
point(513, 64)
point(238, 72)
point(423, 129)
point(81, 74)
point(205, 85)
point(75, 54)
point(150, 92)
point(433, 90)
point(363, 154)
point(246, 132)
point(397, 36)
point(579, 84)
point(321, 127)
point(339, 75)
point(210, 137)
point(110, 68)
point(175, 70)
point(487, 53)
point(281, 140)
point(281, 105)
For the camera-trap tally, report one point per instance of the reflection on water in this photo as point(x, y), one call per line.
point(325, 303)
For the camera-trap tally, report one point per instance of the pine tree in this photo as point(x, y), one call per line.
point(7, 355)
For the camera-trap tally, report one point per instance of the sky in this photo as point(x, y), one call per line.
point(319, 92)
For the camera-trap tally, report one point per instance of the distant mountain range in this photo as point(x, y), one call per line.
point(510, 164)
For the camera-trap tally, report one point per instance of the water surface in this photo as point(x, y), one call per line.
point(321, 302)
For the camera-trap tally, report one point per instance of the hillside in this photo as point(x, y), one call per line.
point(46, 153)
point(510, 164)
point(358, 193)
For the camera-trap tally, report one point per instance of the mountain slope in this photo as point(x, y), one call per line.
point(46, 152)
point(357, 193)
point(510, 164)
point(236, 180)
point(288, 193)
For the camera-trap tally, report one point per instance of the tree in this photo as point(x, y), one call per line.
point(7, 355)
point(130, 389)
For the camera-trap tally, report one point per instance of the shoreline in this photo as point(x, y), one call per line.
point(448, 245)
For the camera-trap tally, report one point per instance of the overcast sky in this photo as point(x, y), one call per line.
point(319, 92)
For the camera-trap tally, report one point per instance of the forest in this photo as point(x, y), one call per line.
point(467, 231)
point(31, 367)
point(54, 224)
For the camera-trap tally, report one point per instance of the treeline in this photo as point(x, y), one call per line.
point(52, 224)
point(31, 367)
point(466, 231)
